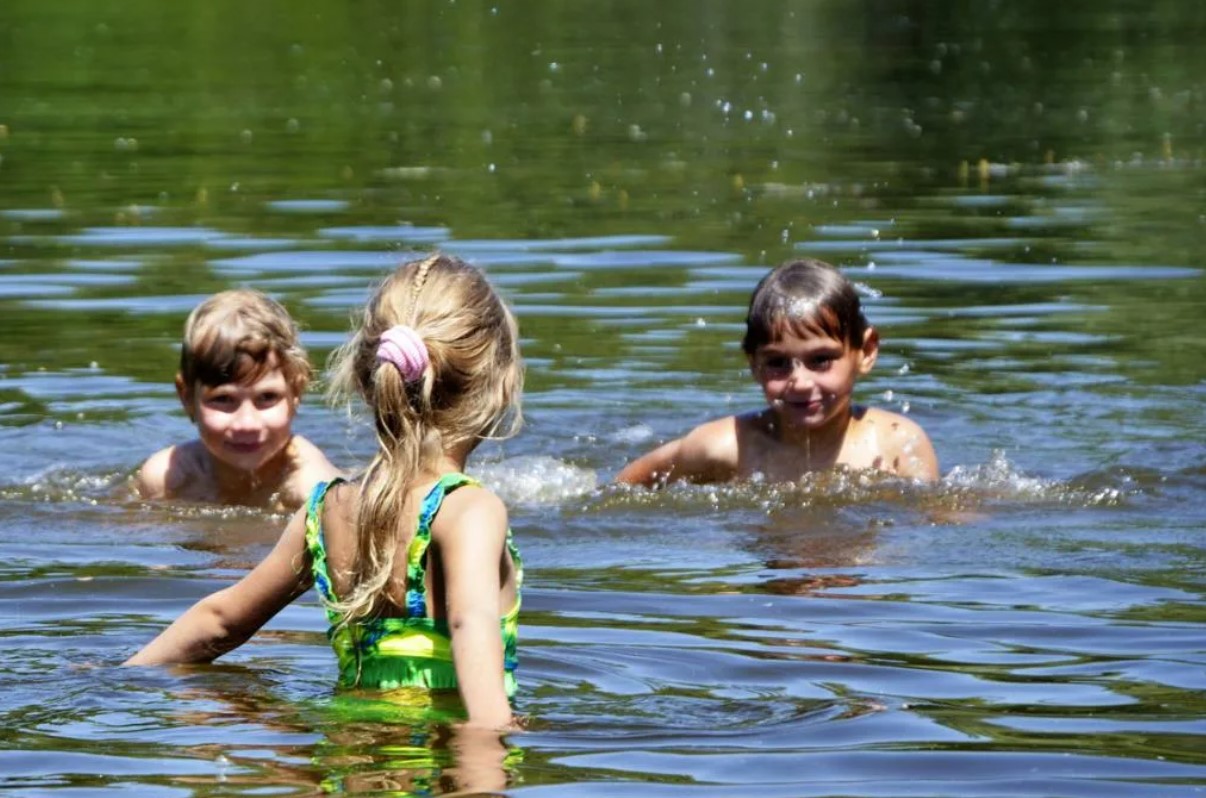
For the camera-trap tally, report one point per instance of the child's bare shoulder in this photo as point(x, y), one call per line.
point(309, 467)
point(708, 453)
point(714, 441)
point(894, 425)
point(904, 445)
point(169, 471)
point(309, 457)
point(472, 518)
point(475, 503)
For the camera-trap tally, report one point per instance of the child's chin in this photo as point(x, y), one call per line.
point(802, 416)
point(247, 465)
point(249, 460)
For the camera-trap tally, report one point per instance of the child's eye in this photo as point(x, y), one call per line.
point(820, 363)
point(776, 364)
point(268, 399)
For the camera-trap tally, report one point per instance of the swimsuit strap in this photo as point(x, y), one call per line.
point(416, 554)
point(317, 546)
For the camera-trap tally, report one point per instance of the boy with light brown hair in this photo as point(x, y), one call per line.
point(242, 375)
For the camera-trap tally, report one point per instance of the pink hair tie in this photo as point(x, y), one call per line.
point(403, 347)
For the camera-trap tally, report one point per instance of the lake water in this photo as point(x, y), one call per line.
point(1018, 190)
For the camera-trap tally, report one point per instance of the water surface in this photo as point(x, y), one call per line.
point(1018, 191)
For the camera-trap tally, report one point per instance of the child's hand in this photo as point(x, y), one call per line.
point(480, 759)
point(519, 723)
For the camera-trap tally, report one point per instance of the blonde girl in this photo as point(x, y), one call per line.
point(413, 561)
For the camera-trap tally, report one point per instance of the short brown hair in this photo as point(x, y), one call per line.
point(804, 296)
point(232, 336)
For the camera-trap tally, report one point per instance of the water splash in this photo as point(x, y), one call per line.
point(113, 492)
point(58, 484)
point(536, 479)
point(639, 433)
point(964, 488)
point(833, 488)
point(999, 479)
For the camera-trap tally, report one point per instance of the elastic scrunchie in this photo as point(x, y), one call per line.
point(404, 348)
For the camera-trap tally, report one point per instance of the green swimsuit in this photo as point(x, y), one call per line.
point(412, 651)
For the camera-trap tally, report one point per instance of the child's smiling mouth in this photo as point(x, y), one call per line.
point(801, 410)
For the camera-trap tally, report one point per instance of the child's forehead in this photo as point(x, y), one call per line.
point(814, 325)
point(256, 374)
point(801, 338)
point(268, 381)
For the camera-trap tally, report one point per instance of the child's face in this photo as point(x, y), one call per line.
point(808, 381)
point(244, 425)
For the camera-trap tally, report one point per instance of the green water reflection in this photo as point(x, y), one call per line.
point(726, 130)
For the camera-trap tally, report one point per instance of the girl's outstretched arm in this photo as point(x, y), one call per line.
point(471, 533)
point(707, 453)
point(224, 620)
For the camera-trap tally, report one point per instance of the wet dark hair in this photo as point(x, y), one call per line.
point(804, 297)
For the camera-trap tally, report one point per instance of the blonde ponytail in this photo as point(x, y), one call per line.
point(469, 392)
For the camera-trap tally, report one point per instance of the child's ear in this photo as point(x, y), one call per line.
point(869, 351)
point(296, 389)
point(185, 393)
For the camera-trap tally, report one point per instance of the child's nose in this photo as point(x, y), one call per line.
point(800, 375)
point(246, 417)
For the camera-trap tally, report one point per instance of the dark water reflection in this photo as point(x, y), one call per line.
point(1018, 190)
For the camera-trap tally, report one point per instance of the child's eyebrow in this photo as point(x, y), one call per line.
point(808, 344)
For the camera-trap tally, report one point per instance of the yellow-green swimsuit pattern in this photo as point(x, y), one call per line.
point(411, 651)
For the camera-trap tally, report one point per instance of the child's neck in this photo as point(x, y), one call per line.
point(822, 446)
point(236, 485)
point(449, 462)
